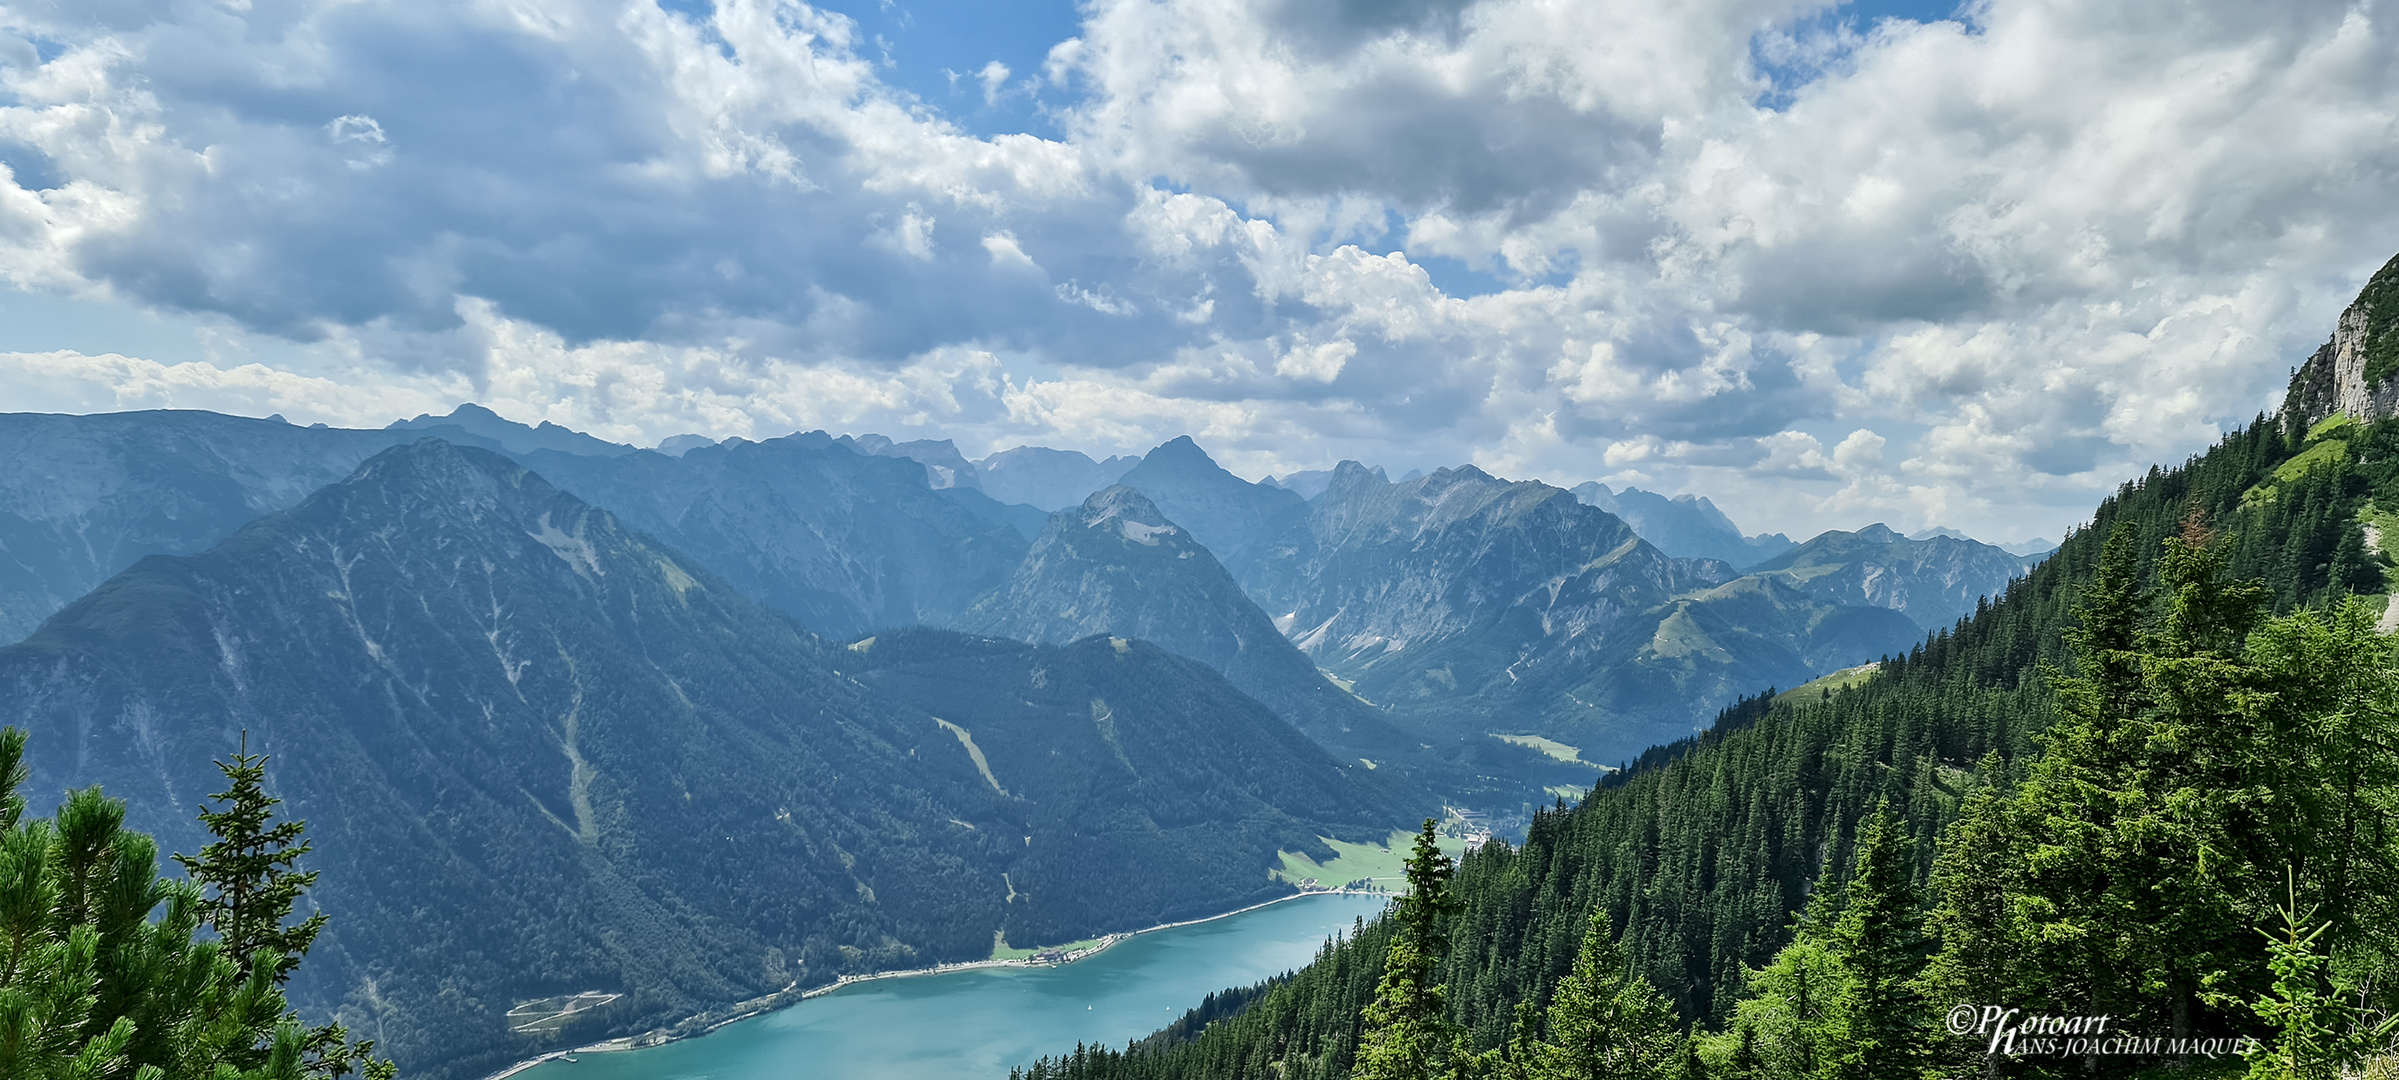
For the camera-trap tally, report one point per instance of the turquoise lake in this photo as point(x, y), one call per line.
point(983, 1022)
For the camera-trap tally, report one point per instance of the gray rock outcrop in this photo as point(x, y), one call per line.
point(2353, 373)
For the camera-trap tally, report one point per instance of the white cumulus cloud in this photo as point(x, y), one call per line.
point(1968, 272)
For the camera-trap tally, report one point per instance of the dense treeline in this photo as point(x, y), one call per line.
point(1728, 859)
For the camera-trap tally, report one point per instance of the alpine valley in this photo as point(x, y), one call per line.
point(722, 722)
point(2151, 781)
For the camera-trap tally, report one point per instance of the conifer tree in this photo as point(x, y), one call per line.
point(2329, 737)
point(252, 881)
point(2075, 882)
point(1606, 1023)
point(2317, 1028)
point(1744, 1062)
point(103, 974)
point(1689, 1065)
point(2197, 783)
point(251, 871)
point(1408, 1035)
point(1782, 1029)
point(2106, 635)
point(1976, 922)
point(1878, 1023)
point(2353, 567)
point(1520, 1057)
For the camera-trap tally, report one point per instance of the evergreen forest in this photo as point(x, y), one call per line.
point(2140, 814)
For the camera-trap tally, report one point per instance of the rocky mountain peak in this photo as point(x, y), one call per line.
point(1349, 475)
point(1181, 451)
point(478, 422)
point(2353, 372)
point(468, 478)
point(1934, 581)
point(1118, 566)
point(1133, 513)
point(1443, 479)
point(1685, 526)
point(1224, 511)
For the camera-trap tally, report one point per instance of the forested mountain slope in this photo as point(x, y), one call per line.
point(540, 754)
point(1141, 775)
point(1702, 855)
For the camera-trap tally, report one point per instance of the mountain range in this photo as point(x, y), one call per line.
point(484, 427)
point(1116, 566)
point(1048, 479)
point(1685, 526)
point(844, 542)
point(1928, 834)
point(1466, 603)
point(541, 753)
point(508, 671)
point(850, 536)
point(87, 496)
point(1934, 581)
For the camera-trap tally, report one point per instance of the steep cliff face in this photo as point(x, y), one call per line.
point(2353, 372)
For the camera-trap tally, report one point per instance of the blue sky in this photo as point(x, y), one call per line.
point(1824, 265)
point(935, 49)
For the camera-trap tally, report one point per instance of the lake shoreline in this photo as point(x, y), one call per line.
point(703, 1023)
